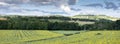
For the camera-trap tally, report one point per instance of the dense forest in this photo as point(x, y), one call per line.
point(43, 23)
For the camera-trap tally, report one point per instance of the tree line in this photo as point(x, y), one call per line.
point(31, 25)
point(39, 23)
point(35, 23)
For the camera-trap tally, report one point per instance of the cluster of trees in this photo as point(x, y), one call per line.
point(103, 25)
point(63, 26)
point(23, 25)
point(29, 23)
point(42, 23)
point(60, 18)
point(117, 25)
point(38, 25)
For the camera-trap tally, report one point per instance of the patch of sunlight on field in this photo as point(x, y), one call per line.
point(88, 37)
point(13, 36)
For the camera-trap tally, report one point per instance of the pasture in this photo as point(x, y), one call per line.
point(58, 37)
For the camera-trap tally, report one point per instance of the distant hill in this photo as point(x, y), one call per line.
point(3, 18)
point(95, 17)
point(81, 19)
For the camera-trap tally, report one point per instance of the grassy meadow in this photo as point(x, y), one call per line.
point(59, 29)
point(58, 37)
point(13, 36)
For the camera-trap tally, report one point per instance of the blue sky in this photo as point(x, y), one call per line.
point(60, 7)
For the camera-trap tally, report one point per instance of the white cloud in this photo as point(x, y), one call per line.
point(65, 8)
point(4, 4)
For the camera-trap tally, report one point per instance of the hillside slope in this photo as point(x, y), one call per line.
point(95, 17)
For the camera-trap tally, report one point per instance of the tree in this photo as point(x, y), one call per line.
point(117, 25)
point(3, 24)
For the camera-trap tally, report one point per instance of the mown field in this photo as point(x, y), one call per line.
point(58, 37)
point(14, 36)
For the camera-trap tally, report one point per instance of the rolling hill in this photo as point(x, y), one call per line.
point(81, 19)
point(95, 17)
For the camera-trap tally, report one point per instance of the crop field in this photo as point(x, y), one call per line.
point(58, 37)
point(13, 36)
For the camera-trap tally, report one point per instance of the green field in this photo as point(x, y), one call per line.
point(58, 37)
point(14, 36)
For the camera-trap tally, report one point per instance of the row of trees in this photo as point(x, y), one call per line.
point(63, 26)
point(43, 24)
point(38, 25)
point(22, 25)
point(53, 17)
point(59, 25)
point(35, 23)
point(103, 25)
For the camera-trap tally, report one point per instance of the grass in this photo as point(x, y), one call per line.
point(58, 37)
point(91, 37)
point(12, 36)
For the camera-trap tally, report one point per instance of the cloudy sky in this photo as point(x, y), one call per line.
point(60, 7)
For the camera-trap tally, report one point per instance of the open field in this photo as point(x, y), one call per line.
point(13, 36)
point(58, 37)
